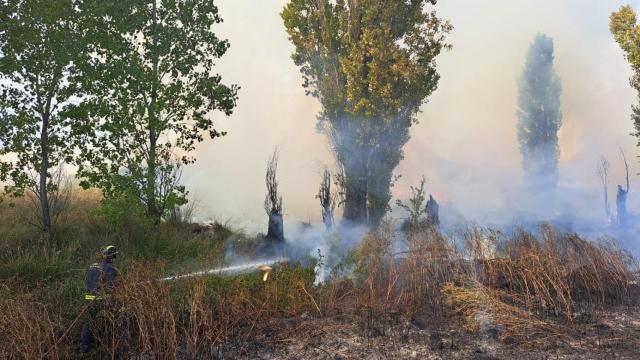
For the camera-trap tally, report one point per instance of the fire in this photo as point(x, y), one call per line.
point(267, 269)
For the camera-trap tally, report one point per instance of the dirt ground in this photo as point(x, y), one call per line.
point(611, 334)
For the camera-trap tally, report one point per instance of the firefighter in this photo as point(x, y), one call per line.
point(101, 278)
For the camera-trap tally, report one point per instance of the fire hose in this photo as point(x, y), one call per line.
point(261, 266)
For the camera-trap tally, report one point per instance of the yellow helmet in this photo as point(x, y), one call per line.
point(108, 252)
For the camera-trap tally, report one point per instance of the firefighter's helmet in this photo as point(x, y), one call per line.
point(108, 252)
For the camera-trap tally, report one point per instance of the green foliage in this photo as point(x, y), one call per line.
point(626, 31)
point(149, 73)
point(372, 65)
point(35, 60)
point(623, 25)
point(355, 262)
point(416, 205)
point(123, 213)
point(32, 269)
point(38, 43)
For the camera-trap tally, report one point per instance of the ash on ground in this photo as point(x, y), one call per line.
point(602, 334)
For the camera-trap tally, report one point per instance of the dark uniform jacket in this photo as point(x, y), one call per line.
point(100, 279)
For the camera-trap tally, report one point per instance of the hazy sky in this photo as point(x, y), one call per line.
point(465, 143)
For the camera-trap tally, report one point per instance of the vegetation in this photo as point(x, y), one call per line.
point(416, 205)
point(539, 116)
point(125, 91)
point(529, 287)
point(624, 27)
point(372, 65)
point(38, 40)
point(148, 70)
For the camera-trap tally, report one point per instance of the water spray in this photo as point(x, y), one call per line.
point(262, 265)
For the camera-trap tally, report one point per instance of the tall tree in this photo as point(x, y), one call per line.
point(37, 46)
point(149, 73)
point(539, 116)
point(626, 31)
point(371, 63)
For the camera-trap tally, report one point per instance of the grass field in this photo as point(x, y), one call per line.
point(527, 289)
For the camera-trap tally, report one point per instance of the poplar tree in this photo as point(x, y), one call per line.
point(626, 31)
point(38, 42)
point(152, 92)
point(539, 116)
point(371, 64)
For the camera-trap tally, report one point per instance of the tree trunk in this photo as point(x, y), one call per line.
point(379, 197)
point(275, 229)
point(42, 187)
point(355, 204)
point(378, 193)
point(152, 207)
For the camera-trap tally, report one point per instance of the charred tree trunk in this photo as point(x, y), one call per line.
point(327, 199)
point(273, 203)
point(621, 196)
point(275, 230)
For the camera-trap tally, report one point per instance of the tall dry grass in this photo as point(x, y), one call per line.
point(528, 288)
point(29, 329)
point(531, 287)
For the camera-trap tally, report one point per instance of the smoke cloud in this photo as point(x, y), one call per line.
point(466, 142)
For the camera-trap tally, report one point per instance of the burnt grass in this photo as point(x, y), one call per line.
point(558, 297)
point(612, 333)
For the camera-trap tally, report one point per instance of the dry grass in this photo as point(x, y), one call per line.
point(524, 287)
point(532, 286)
point(551, 275)
point(190, 318)
point(431, 262)
point(147, 304)
point(484, 308)
point(28, 330)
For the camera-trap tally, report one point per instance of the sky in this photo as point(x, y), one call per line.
point(465, 143)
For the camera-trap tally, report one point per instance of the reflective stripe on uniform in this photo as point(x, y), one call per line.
point(90, 297)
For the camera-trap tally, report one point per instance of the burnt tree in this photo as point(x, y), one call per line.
point(621, 196)
point(327, 199)
point(273, 202)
